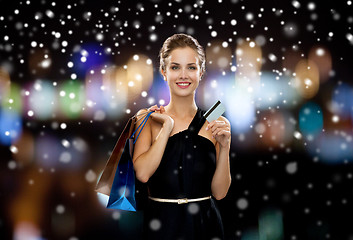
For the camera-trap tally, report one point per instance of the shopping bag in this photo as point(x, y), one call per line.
point(105, 182)
point(122, 194)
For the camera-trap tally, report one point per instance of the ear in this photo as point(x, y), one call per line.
point(164, 75)
point(202, 74)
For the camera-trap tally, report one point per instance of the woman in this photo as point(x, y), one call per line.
point(183, 159)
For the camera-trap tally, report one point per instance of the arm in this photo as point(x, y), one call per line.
point(148, 154)
point(221, 178)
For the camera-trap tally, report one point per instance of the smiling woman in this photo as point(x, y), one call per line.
point(183, 158)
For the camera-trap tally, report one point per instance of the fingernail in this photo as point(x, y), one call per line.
point(206, 128)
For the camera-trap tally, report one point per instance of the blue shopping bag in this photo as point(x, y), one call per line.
point(122, 194)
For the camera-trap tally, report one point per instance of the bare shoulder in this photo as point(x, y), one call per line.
point(141, 113)
point(140, 116)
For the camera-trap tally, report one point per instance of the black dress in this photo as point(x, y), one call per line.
point(186, 171)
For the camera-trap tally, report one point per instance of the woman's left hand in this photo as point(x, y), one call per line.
point(221, 132)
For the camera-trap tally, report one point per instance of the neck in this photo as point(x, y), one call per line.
point(182, 106)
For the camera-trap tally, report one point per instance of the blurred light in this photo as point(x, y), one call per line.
point(47, 151)
point(274, 128)
point(26, 231)
point(90, 176)
point(247, 55)
point(311, 6)
point(307, 78)
point(297, 135)
point(50, 152)
point(42, 100)
point(25, 148)
point(292, 167)
point(322, 57)
point(310, 119)
point(4, 84)
point(291, 58)
point(10, 126)
point(219, 56)
point(95, 91)
point(296, 4)
point(159, 90)
point(13, 100)
point(273, 91)
point(291, 29)
point(335, 119)
point(242, 203)
point(88, 56)
point(270, 224)
point(116, 91)
point(342, 101)
point(240, 109)
point(332, 147)
point(251, 234)
point(140, 74)
point(39, 61)
point(72, 107)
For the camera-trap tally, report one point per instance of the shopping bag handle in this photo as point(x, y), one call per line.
point(143, 124)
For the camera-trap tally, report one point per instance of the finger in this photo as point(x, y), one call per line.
point(218, 124)
point(162, 109)
point(215, 132)
point(154, 108)
point(210, 124)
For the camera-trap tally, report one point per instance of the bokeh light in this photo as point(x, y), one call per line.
point(311, 119)
point(115, 91)
point(39, 61)
point(249, 61)
point(271, 224)
point(73, 72)
point(24, 154)
point(10, 126)
point(219, 56)
point(139, 75)
point(240, 108)
point(341, 103)
point(322, 57)
point(13, 100)
point(4, 84)
point(307, 78)
point(71, 98)
point(273, 91)
point(42, 100)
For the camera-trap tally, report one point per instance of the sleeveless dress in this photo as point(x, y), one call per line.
point(186, 171)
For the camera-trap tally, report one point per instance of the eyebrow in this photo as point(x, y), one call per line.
point(179, 64)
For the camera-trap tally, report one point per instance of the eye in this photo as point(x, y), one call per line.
point(192, 68)
point(174, 67)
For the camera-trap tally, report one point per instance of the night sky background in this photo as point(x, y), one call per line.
point(292, 150)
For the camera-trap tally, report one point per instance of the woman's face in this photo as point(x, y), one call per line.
point(182, 71)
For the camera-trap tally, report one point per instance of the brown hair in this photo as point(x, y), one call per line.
point(181, 40)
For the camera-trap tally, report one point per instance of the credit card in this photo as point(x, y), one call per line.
point(215, 111)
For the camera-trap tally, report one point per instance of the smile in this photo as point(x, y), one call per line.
point(183, 84)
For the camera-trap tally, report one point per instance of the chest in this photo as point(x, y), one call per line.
point(180, 126)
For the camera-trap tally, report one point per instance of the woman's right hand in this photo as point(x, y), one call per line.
point(160, 116)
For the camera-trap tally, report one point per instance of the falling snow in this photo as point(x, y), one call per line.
point(73, 72)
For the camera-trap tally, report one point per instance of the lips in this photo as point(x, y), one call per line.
point(183, 84)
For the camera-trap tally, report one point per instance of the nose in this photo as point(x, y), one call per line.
point(183, 74)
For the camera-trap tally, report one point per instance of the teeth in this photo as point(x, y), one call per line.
point(183, 84)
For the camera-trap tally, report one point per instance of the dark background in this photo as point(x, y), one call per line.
point(57, 201)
